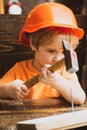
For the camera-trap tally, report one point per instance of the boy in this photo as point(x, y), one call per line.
point(44, 32)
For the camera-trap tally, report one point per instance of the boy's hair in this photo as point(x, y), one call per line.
point(52, 34)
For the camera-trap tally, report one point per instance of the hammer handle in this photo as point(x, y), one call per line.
point(53, 68)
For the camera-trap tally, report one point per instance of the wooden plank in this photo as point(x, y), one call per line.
point(62, 121)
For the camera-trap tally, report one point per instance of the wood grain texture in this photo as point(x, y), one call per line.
point(13, 111)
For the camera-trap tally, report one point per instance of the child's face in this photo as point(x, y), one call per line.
point(48, 54)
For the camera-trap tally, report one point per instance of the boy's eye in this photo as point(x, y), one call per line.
point(51, 51)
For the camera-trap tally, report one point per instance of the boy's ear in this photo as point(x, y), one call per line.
point(32, 47)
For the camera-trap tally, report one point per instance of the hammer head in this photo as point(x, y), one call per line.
point(71, 60)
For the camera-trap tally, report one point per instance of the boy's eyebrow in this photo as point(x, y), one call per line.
point(49, 48)
point(52, 48)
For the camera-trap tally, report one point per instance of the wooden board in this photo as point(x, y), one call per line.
point(62, 121)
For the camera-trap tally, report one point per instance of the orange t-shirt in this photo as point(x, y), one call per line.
point(24, 70)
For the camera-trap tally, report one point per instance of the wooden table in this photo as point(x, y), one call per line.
point(13, 111)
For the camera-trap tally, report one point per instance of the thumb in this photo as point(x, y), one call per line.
point(47, 65)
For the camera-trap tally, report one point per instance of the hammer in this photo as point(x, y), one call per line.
point(70, 60)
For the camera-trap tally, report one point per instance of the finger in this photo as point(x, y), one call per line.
point(49, 73)
point(24, 88)
point(24, 93)
point(43, 73)
point(19, 96)
point(47, 65)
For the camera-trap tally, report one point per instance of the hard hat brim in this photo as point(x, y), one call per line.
point(30, 29)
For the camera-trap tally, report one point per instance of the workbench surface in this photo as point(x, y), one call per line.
point(13, 111)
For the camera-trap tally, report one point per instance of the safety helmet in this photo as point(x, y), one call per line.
point(49, 14)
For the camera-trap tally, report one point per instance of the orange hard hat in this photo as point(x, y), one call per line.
point(49, 14)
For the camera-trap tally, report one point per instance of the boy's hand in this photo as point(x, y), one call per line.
point(47, 77)
point(16, 89)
